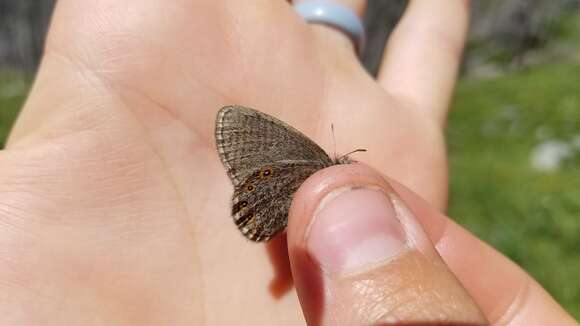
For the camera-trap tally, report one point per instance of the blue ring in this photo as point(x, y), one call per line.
point(337, 16)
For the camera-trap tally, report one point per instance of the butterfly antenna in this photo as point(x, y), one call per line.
point(333, 139)
point(352, 152)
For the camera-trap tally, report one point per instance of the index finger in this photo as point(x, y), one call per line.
point(506, 294)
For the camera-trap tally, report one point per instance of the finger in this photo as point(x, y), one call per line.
point(422, 57)
point(360, 257)
point(332, 39)
point(505, 293)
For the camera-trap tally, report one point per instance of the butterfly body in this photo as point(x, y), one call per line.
point(267, 161)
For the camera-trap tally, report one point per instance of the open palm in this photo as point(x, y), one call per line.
point(116, 193)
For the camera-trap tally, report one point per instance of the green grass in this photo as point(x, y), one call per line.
point(12, 91)
point(530, 215)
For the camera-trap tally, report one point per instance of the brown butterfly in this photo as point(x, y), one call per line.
point(266, 160)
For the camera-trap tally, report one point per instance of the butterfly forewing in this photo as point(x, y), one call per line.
point(248, 139)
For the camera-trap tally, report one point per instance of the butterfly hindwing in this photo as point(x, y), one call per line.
point(261, 203)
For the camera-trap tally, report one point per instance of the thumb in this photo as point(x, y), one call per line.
point(360, 257)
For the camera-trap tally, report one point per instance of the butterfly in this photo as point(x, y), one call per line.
point(267, 160)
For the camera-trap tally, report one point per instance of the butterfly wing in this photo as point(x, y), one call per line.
point(267, 160)
point(261, 202)
point(248, 139)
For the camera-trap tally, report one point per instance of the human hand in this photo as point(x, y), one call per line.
point(115, 204)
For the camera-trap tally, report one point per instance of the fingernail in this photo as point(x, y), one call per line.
point(353, 229)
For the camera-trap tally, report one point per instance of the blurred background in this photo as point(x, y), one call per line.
point(513, 135)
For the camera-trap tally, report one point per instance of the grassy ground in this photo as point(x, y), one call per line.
point(530, 214)
point(12, 90)
point(533, 216)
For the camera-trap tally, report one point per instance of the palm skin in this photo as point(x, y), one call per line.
point(116, 206)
